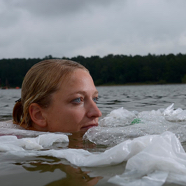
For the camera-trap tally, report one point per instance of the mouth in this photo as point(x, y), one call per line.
point(89, 126)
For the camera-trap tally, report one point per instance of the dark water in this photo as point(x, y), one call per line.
point(52, 171)
point(141, 98)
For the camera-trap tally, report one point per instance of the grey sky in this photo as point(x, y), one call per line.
point(36, 28)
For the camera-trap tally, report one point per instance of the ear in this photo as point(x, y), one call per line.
point(37, 116)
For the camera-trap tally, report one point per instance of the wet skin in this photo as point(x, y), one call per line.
point(73, 107)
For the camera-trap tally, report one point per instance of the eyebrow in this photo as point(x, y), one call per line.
point(82, 92)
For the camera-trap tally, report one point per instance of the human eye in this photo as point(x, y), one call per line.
point(77, 100)
point(95, 99)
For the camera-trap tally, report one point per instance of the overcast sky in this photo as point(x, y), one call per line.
point(68, 28)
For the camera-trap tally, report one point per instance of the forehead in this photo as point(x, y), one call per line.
point(77, 80)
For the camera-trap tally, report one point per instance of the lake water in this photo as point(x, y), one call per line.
point(129, 113)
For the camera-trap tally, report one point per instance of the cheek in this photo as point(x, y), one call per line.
point(65, 118)
point(68, 121)
point(78, 115)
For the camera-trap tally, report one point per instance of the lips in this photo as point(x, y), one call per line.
point(89, 126)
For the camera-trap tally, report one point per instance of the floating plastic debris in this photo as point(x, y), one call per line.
point(151, 159)
point(12, 143)
point(135, 121)
point(122, 124)
point(149, 141)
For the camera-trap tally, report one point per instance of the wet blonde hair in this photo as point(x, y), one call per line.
point(40, 82)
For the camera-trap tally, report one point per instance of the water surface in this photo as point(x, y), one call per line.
point(143, 113)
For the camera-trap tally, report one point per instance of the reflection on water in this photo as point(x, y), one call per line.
point(77, 141)
point(74, 176)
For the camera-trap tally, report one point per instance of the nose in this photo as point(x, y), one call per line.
point(93, 110)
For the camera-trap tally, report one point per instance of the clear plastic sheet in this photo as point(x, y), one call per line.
point(163, 160)
point(12, 143)
point(148, 141)
point(122, 124)
point(151, 159)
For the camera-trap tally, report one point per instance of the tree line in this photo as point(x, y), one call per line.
point(108, 70)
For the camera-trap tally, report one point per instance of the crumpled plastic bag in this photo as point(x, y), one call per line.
point(151, 160)
point(163, 160)
point(12, 143)
point(172, 114)
point(8, 128)
point(121, 124)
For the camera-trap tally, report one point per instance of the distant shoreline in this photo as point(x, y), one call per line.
point(109, 85)
point(139, 84)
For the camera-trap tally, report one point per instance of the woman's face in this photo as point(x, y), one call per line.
point(73, 107)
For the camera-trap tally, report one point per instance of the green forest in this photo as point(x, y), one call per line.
point(108, 70)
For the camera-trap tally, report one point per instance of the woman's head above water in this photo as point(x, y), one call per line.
point(57, 96)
